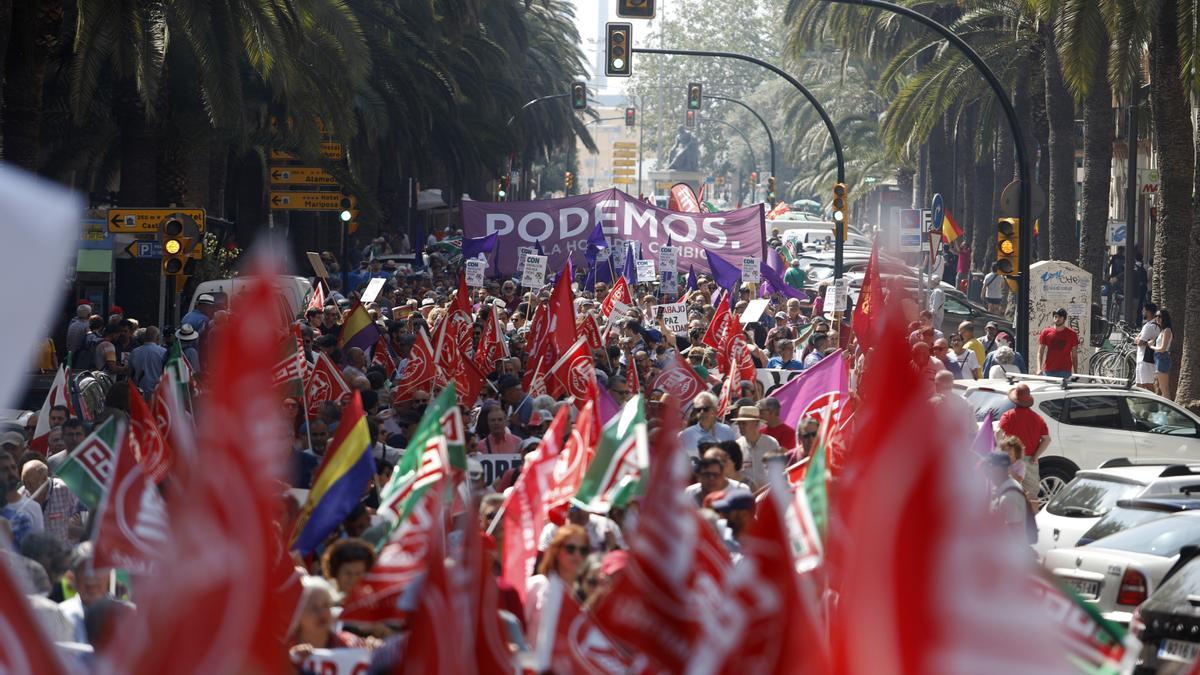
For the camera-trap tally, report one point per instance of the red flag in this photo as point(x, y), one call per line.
point(470, 384)
point(679, 381)
point(534, 380)
point(382, 356)
point(485, 631)
point(133, 529)
point(683, 199)
point(568, 641)
point(377, 596)
point(301, 360)
point(909, 523)
point(317, 299)
point(618, 293)
point(492, 346)
point(199, 614)
point(571, 464)
point(420, 370)
point(324, 383)
point(525, 508)
point(714, 336)
point(572, 373)
point(146, 439)
point(589, 329)
point(870, 303)
point(562, 312)
point(434, 644)
point(59, 394)
point(27, 649)
point(655, 605)
point(462, 314)
point(631, 377)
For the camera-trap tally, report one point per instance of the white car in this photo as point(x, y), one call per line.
point(1092, 493)
point(1091, 422)
point(1117, 573)
point(819, 238)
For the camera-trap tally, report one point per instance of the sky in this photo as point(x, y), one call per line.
point(591, 32)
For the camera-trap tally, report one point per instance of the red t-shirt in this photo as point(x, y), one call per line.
point(782, 433)
point(1058, 344)
point(1026, 425)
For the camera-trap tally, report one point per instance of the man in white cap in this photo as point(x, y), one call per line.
point(198, 318)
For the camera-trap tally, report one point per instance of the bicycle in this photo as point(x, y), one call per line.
point(1119, 360)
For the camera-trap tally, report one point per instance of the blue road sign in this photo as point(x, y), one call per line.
point(149, 249)
point(939, 212)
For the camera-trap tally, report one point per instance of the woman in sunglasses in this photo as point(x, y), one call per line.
point(563, 558)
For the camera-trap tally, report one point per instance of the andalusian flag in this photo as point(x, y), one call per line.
point(436, 448)
point(950, 229)
point(89, 467)
point(621, 459)
point(181, 373)
point(1091, 644)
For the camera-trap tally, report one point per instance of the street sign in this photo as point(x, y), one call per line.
point(625, 153)
point(625, 163)
point(329, 150)
point(624, 144)
point(623, 172)
point(132, 221)
point(308, 201)
point(1115, 235)
point(624, 180)
point(301, 175)
point(144, 249)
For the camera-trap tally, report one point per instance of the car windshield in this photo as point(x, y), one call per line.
point(1120, 519)
point(987, 400)
point(1163, 537)
point(1176, 589)
point(1090, 497)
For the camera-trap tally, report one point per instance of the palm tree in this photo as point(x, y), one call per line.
point(32, 36)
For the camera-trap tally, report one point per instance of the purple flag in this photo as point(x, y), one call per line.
point(692, 284)
point(820, 386)
point(772, 268)
point(724, 273)
point(595, 242)
point(473, 246)
point(985, 440)
point(630, 271)
point(606, 407)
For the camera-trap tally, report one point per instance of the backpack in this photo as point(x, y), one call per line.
point(84, 358)
point(1031, 528)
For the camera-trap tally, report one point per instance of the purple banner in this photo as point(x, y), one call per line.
point(562, 227)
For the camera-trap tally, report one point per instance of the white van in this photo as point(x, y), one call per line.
point(293, 291)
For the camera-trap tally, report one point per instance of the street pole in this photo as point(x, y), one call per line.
point(640, 119)
point(524, 178)
point(770, 138)
point(753, 159)
point(1131, 205)
point(1025, 226)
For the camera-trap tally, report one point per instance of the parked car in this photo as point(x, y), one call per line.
point(1092, 421)
point(1093, 494)
point(1117, 573)
point(293, 291)
point(1168, 622)
point(1129, 513)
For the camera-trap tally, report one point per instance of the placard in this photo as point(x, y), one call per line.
point(668, 258)
point(494, 466)
point(523, 251)
point(835, 296)
point(646, 273)
point(674, 316)
point(751, 274)
point(354, 661)
point(669, 283)
point(534, 273)
point(475, 271)
point(318, 265)
point(754, 310)
point(374, 286)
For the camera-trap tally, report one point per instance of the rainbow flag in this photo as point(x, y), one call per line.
point(358, 330)
point(339, 482)
point(950, 229)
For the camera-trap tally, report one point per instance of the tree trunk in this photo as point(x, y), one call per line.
point(982, 240)
point(1060, 112)
point(941, 174)
point(920, 196)
point(1187, 323)
point(1099, 129)
point(1039, 127)
point(1173, 145)
point(964, 193)
point(905, 183)
point(35, 27)
point(139, 149)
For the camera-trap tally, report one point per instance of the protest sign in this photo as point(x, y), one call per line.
point(669, 282)
point(318, 265)
point(475, 270)
point(754, 310)
point(835, 297)
point(374, 286)
point(674, 316)
point(534, 274)
point(668, 258)
point(337, 661)
point(750, 270)
point(645, 272)
point(523, 251)
point(494, 466)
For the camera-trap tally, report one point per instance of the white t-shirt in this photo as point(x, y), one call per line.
point(993, 286)
point(33, 510)
point(969, 362)
point(1145, 371)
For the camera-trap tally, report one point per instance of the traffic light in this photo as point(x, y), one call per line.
point(635, 9)
point(569, 180)
point(502, 188)
point(1008, 245)
point(617, 49)
point(754, 177)
point(630, 117)
point(695, 96)
point(579, 99)
point(771, 189)
point(689, 120)
point(840, 213)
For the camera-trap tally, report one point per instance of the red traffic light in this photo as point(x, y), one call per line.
point(630, 117)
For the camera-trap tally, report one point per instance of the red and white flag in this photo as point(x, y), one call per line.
point(571, 464)
point(324, 383)
point(147, 441)
point(420, 371)
point(679, 381)
point(434, 644)
point(381, 355)
point(569, 641)
point(27, 648)
point(869, 307)
point(317, 299)
point(573, 372)
point(478, 590)
point(301, 359)
point(133, 530)
point(589, 329)
point(59, 394)
point(618, 293)
point(525, 507)
point(631, 377)
point(492, 345)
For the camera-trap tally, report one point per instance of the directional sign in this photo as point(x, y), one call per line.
point(939, 212)
point(626, 153)
point(624, 144)
point(308, 201)
point(329, 150)
point(144, 249)
point(301, 175)
point(130, 221)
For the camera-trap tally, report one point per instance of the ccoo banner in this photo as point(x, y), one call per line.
point(562, 227)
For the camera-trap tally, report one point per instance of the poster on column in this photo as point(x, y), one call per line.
point(562, 227)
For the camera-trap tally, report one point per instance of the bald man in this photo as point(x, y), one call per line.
point(58, 504)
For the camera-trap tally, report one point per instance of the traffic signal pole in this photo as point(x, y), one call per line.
point(770, 138)
point(1025, 208)
point(753, 160)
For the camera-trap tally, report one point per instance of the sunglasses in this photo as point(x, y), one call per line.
point(808, 434)
point(572, 549)
point(703, 409)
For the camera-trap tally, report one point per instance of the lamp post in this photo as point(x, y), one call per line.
point(770, 138)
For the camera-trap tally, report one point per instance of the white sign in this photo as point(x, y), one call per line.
point(1115, 236)
point(494, 466)
point(646, 273)
point(754, 310)
point(669, 282)
point(475, 270)
point(374, 286)
point(1058, 284)
point(751, 274)
point(619, 311)
point(674, 316)
point(909, 233)
point(337, 661)
point(534, 273)
point(668, 258)
point(835, 297)
point(523, 251)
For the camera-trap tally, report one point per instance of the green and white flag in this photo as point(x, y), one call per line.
point(89, 467)
point(621, 459)
point(181, 373)
point(814, 488)
point(431, 454)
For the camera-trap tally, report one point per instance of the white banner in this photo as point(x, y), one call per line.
point(534, 274)
point(374, 286)
point(494, 466)
point(475, 269)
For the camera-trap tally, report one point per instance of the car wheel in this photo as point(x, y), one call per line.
point(1054, 474)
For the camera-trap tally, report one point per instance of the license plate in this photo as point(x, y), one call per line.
point(1089, 589)
point(1178, 650)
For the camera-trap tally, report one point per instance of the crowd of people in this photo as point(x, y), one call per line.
point(732, 433)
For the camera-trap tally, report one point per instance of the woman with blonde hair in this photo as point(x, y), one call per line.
point(563, 558)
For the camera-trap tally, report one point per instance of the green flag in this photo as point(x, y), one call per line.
point(428, 457)
point(181, 374)
point(90, 465)
point(1091, 644)
point(621, 459)
point(814, 488)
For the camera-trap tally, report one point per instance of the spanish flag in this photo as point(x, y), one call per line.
point(950, 229)
point(339, 482)
point(358, 330)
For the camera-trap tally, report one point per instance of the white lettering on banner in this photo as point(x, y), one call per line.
point(647, 218)
point(712, 226)
point(564, 225)
point(606, 212)
point(538, 226)
point(505, 223)
point(687, 235)
point(337, 661)
point(494, 466)
point(540, 216)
